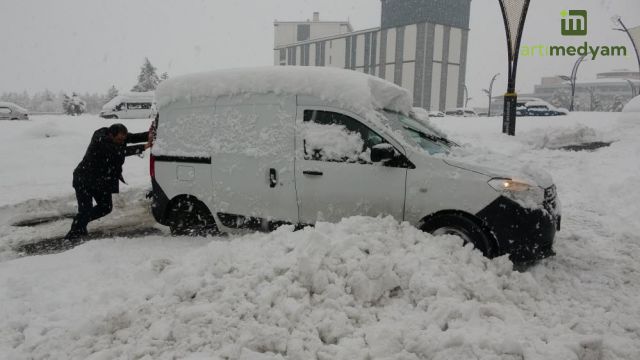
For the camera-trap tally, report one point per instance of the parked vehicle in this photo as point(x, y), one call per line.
point(541, 108)
point(436, 114)
point(461, 112)
point(11, 111)
point(254, 149)
point(129, 106)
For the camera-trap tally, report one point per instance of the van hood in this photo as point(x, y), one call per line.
point(528, 173)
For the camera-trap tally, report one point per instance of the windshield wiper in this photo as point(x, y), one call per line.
point(431, 137)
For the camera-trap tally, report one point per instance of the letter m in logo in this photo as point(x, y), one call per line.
point(574, 22)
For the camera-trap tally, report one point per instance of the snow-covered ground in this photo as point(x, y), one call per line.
point(362, 289)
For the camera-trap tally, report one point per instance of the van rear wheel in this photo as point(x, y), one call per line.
point(464, 227)
point(189, 217)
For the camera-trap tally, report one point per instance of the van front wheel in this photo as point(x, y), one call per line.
point(464, 227)
point(189, 217)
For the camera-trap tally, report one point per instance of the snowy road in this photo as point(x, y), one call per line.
point(364, 288)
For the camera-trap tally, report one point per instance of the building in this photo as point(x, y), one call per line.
point(421, 45)
point(604, 93)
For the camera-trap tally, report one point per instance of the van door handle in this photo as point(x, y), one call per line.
point(312, 173)
point(273, 178)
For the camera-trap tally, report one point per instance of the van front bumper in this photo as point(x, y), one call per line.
point(523, 233)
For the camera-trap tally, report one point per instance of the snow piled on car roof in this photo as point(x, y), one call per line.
point(348, 89)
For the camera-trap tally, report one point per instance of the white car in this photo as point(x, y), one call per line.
point(253, 149)
point(11, 111)
point(129, 106)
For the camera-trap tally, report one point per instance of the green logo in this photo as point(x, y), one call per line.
point(574, 22)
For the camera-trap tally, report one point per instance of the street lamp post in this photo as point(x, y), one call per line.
point(633, 88)
point(514, 14)
point(573, 78)
point(618, 20)
point(490, 92)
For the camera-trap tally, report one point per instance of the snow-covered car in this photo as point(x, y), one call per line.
point(134, 105)
point(436, 114)
point(461, 112)
point(11, 111)
point(254, 149)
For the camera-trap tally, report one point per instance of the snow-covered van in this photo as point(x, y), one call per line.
point(253, 149)
point(134, 105)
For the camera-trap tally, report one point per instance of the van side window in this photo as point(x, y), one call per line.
point(4, 110)
point(335, 137)
point(138, 106)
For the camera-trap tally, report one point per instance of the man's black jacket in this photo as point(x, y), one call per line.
point(101, 168)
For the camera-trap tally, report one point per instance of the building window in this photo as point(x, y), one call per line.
point(304, 32)
point(304, 55)
point(291, 56)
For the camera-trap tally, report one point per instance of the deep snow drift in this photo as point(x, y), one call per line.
point(364, 288)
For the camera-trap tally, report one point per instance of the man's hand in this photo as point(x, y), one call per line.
point(147, 145)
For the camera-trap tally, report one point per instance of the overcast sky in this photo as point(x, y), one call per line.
point(89, 45)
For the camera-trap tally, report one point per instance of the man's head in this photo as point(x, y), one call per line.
point(118, 133)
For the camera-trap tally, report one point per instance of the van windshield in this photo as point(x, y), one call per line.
point(416, 133)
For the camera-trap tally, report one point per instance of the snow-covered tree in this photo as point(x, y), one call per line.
point(618, 104)
point(148, 80)
point(111, 93)
point(595, 103)
point(561, 98)
point(73, 105)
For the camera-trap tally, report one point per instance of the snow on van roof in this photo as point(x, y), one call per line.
point(148, 95)
point(349, 89)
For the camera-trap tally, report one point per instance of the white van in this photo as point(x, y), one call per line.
point(134, 105)
point(257, 148)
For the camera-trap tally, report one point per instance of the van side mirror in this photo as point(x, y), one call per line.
point(382, 152)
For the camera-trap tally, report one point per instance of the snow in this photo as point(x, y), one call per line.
point(363, 288)
point(38, 156)
point(349, 89)
point(633, 106)
point(332, 142)
point(198, 131)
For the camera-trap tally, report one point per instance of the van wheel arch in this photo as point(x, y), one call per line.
point(467, 221)
point(187, 215)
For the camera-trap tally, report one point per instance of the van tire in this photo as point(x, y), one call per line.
point(464, 226)
point(190, 217)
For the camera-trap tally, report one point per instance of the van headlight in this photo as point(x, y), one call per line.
point(518, 190)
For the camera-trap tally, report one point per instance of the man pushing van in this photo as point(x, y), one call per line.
point(98, 174)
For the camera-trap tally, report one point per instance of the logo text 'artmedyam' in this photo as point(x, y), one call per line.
point(573, 23)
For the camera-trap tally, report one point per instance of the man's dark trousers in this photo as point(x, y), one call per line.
point(86, 211)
